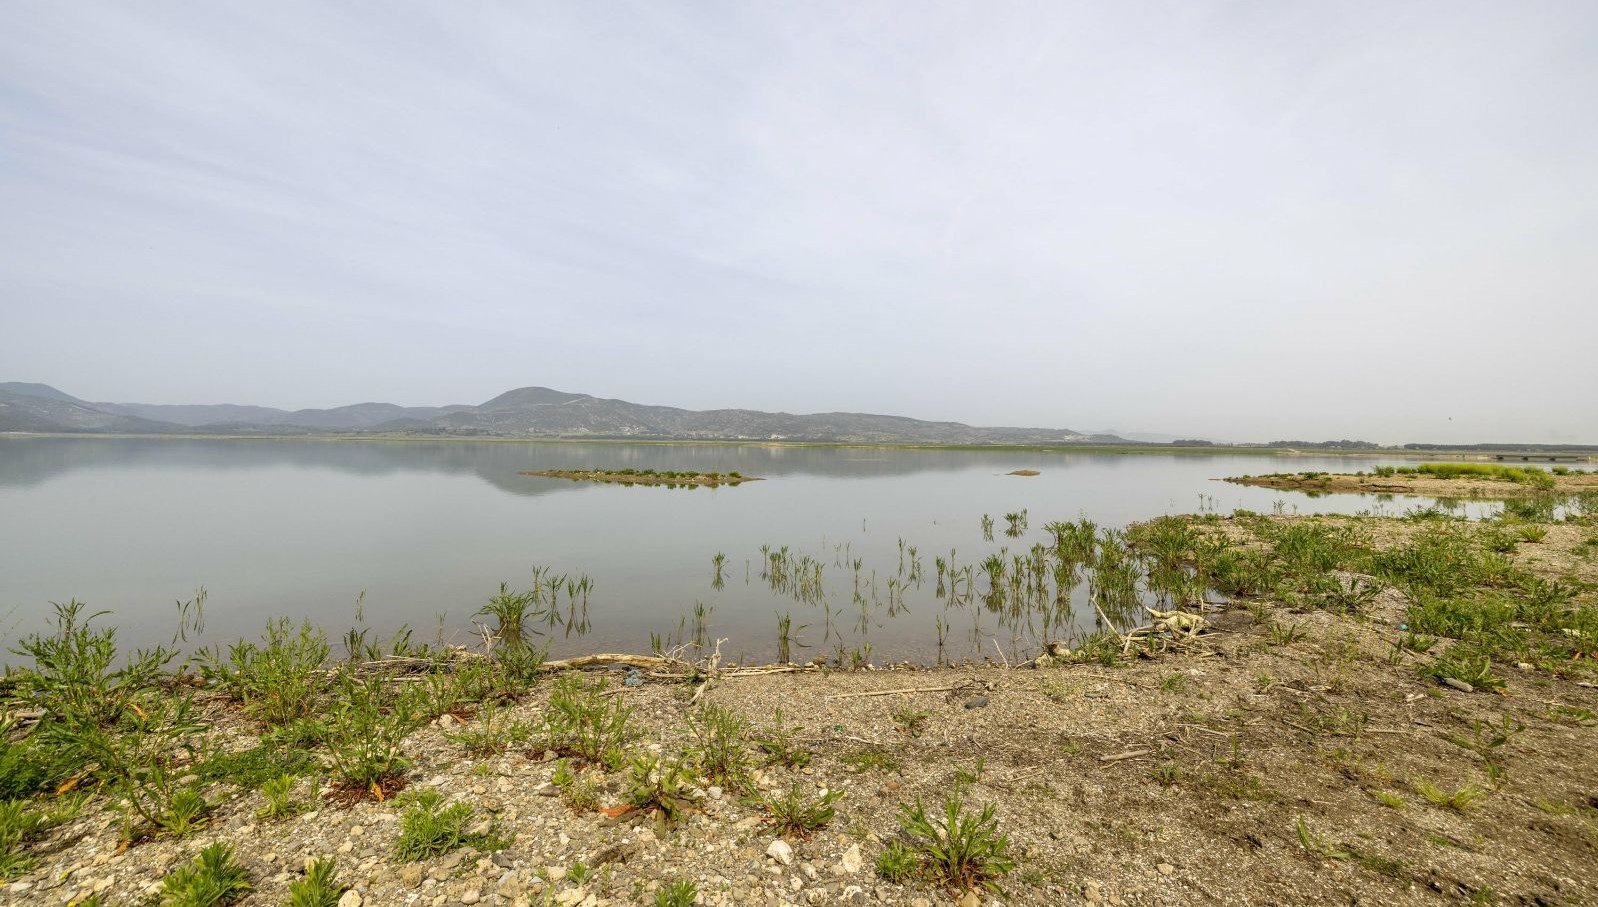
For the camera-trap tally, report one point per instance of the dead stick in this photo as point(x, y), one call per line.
point(1129, 754)
point(891, 692)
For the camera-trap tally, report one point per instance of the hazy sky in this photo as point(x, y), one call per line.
point(1240, 220)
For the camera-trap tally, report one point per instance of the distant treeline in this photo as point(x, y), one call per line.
point(1549, 448)
point(1344, 444)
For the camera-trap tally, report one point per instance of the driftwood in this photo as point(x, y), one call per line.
point(642, 662)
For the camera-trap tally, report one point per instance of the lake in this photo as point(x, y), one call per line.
point(422, 533)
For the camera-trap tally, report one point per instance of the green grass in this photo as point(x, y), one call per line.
point(1459, 800)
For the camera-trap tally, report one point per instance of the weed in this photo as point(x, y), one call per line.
point(490, 734)
point(144, 761)
point(910, 721)
point(680, 893)
point(430, 829)
point(1166, 774)
point(513, 612)
point(869, 760)
point(779, 745)
point(957, 849)
point(798, 816)
point(1388, 799)
point(898, 863)
point(366, 722)
point(280, 802)
point(719, 752)
point(276, 681)
point(585, 724)
point(20, 824)
point(1460, 800)
point(255, 766)
point(72, 680)
point(1284, 634)
point(660, 788)
point(319, 887)
point(214, 878)
point(1464, 661)
point(575, 789)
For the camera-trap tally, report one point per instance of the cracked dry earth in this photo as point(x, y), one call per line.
point(1254, 774)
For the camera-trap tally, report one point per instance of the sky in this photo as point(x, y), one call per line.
point(1244, 221)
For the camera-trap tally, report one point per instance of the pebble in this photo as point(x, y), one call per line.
point(851, 861)
point(1166, 869)
point(781, 852)
point(351, 898)
point(977, 702)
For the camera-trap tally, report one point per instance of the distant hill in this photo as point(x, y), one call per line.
point(523, 412)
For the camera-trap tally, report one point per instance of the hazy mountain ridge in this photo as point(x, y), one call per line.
point(523, 412)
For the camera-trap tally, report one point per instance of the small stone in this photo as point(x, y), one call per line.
point(410, 876)
point(351, 898)
point(1166, 869)
point(510, 884)
point(501, 859)
point(851, 861)
point(1459, 685)
point(970, 898)
point(977, 702)
point(781, 852)
point(471, 896)
point(715, 792)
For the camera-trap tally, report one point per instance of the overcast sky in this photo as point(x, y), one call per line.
point(1235, 220)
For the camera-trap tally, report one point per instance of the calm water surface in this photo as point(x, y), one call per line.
point(428, 530)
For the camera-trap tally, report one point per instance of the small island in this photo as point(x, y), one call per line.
point(1455, 480)
point(645, 477)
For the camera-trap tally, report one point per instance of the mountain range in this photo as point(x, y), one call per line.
point(530, 412)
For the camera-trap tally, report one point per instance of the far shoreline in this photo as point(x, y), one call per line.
point(1588, 455)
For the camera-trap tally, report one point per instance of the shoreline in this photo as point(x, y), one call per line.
point(1420, 485)
point(1583, 455)
point(1327, 737)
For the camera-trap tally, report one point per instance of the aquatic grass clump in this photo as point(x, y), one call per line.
point(1519, 475)
point(513, 613)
